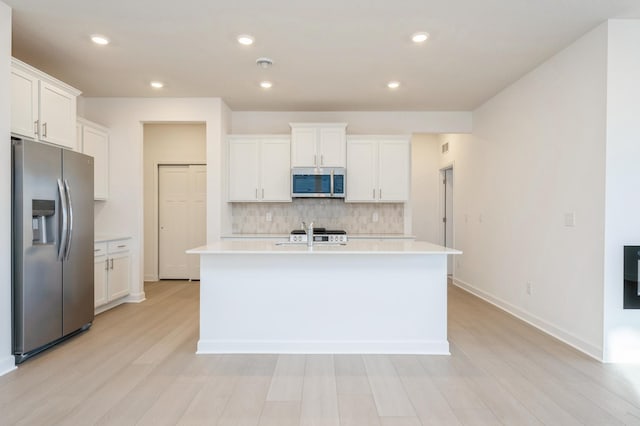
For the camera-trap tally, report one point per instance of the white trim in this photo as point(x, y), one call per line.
point(7, 365)
point(151, 278)
point(135, 298)
point(422, 347)
point(542, 325)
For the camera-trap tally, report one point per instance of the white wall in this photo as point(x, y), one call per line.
point(359, 122)
point(622, 226)
point(6, 359)
point(536, 154)
point(123, 212)
point(165, 143)
point(425, 165)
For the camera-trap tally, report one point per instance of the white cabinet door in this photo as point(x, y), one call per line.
point(244, 164)
point(275, 172)
point(95, 142)
point(318, 144)
point(362, 169)
point(24, 103)
point(119, 284)
point(304, 150)
point(394, 170)
point(57, 116)
point(331, 147)
point(101, 268)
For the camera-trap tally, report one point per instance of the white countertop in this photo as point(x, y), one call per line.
point(353, 236)
point(353, 247)
point(103, 238)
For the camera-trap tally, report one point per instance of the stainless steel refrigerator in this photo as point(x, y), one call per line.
point(52, 245)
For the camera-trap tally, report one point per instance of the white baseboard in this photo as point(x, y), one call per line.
point(151, 278)
point(542, 325)
point(135, 298)
point(7, 364)
point(323, 347)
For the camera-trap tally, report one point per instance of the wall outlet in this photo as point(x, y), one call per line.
point(268, 217)
point(570, 220)
point(529, 288)
point(374, 217)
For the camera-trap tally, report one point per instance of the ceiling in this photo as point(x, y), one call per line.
point(328, 54)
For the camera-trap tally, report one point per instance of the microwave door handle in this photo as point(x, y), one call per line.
point(331, 183)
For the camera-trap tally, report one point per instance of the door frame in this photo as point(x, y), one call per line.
point(442, 208)
point(156, 205)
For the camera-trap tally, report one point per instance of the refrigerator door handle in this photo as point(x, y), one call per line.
point(70, 227)
point(65, 221)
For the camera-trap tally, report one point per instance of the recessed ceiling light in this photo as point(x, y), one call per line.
point(99, 39)
point(245, 39)
point(393, 84)
point(266, 84)
point(157, 84)
point(420, 37)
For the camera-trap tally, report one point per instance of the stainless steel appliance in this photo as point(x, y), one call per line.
point(52, 264)
point(320, 235)
point(312, 182)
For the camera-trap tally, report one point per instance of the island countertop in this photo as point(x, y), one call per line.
point(352, 247)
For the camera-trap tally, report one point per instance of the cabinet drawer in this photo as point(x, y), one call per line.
point(99, 249)
point(118, 246)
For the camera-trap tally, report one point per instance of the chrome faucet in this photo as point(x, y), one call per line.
point(309, 234)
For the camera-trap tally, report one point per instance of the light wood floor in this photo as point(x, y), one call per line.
point(137, 366)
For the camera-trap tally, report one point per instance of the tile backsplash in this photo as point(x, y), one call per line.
point(355, 218)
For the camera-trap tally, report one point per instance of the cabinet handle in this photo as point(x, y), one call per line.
point(44, 130)
point(315, 160)
point(106, 264)
point(35, 128)
point(380, 194)
point(96, 250)
point(256, 193)
point(122, 245)
point(263, 193)
point(374, 194)
point(322, 160)
point(111, 263)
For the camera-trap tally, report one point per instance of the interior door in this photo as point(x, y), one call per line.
point(181, 218)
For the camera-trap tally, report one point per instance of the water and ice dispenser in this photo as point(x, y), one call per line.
point(42, 221)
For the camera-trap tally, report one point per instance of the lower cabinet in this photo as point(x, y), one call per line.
point(112, 271)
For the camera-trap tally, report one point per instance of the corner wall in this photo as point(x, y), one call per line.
point(535, 160)
point(123, 212)
point(6, 359)
point(622, 327)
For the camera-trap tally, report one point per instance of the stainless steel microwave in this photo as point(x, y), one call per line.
point(324, 182)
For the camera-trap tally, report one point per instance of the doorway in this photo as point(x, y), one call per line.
point(181, 219)
point(446, 175)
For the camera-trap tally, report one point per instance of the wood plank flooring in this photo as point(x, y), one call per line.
point(137, 365)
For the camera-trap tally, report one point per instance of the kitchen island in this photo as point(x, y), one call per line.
point(364, 297)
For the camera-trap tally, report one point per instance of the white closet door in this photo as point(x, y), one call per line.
point(182, 220)
point(198, 216)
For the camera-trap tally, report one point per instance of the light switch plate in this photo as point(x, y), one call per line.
point(570, 219)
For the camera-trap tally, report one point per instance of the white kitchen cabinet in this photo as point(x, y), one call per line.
point(93, 140)
point(318, 144)
point(378, 169)
point(111, 272)
point(42, 108)
point(259, 168)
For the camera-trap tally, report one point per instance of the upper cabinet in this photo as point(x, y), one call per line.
point(93, 140)
point(318, 144)
point(42, 108)
point(378, 169)
point(259, 168)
